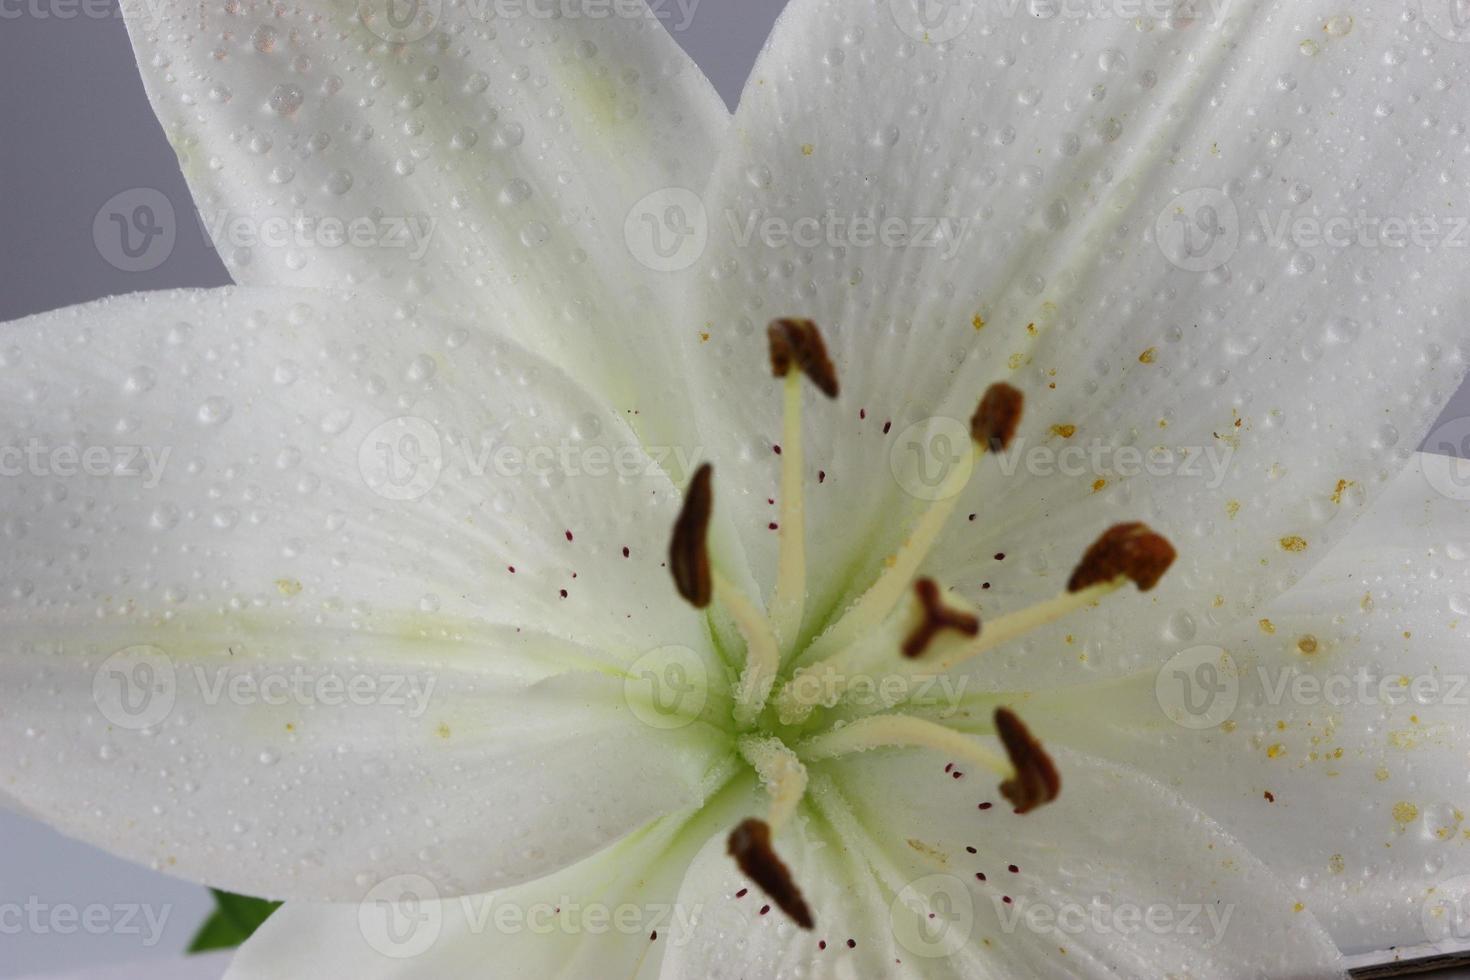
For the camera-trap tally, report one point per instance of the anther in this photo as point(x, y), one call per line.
point(936, 617)
point(1036, 781)
point(799, 342)
point(1132, 550)
point(995, 421)
point(688, 554)
point(750, 846)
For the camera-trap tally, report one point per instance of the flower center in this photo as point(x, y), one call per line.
point(903, 627)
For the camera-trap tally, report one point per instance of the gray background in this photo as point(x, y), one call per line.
point(75, 129)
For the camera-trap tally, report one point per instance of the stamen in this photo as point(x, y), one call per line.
point(1124, 552)
point(999, 412)
point(799, 342)
point(762, 655)
point(788, 604)
point(1132, 550)
point(1037, 781)
point(750, 846)
point(994, 423)
point(688, 553)
point(936, 617)
point(900, 731)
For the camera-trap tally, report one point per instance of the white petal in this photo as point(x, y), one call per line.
point(266, 547)
point(481, 161)
point(1117, 877)
point(596, 918)
point(1061, 141)
point(1343, 768)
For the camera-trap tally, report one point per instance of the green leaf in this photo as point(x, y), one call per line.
point(235, 919)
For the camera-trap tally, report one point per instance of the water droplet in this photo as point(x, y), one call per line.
point(286, 99)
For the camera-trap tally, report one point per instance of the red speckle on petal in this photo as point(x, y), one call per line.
point(777, 448)
point(765, 909)
point(986, 806)
point(1013, 869)
point(773, 525)
point(511, 569)
point(625, 552)
point(862, 413)
point(852, 944)
point(563, 593)
point(569, 535)
point(821, 476)
point(742, 893)
point(979, 875)
point(1006, 899)
point(886, 427)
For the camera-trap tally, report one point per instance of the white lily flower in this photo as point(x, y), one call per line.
point(353, 581)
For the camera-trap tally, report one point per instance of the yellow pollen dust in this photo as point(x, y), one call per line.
point(1294, 543)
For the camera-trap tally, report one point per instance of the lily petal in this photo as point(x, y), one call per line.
point(1119, 876)
point(1351, 689)
point(238, 535)
point(1071, 147)
point(612, 914)
point(462, 159)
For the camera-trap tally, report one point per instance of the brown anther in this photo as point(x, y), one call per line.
point(688, 555)
point(936, 617)
point(1133, 549)
point(994, 423)
point(799, 342)
point(1036, 781)
point(750, 846)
